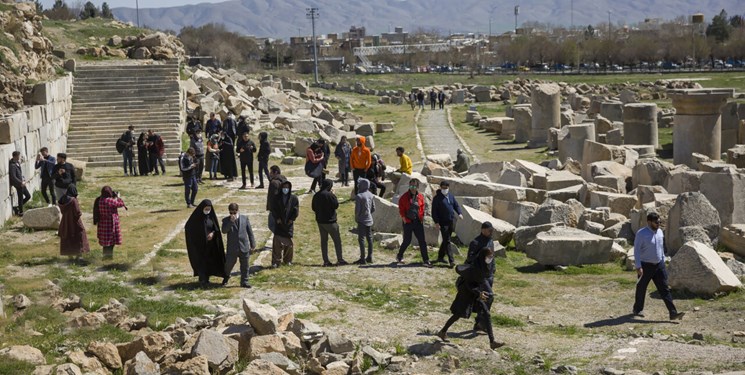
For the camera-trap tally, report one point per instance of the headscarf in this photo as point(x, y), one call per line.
point(106, 192)
point(71, 192)
point(327, 184)
point(195, 242)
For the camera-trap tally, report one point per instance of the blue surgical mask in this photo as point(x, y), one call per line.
point(285, 190)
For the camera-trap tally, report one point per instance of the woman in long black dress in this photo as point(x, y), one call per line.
point(474, 295)
point(142, 161)
point(227, 158)
point(204, 243)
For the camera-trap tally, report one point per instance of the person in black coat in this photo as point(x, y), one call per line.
point(143, 162)
point(18, 182)
point(285, 209)
point(193, 126)
point(444, 209)
point(243, 127)
point(474, 294)
point(227, 158)
point(263, 156)
point(484, 239)
point(246, 148)
point(324, 205)
point(46, 163)
point(63, 175)
point(204, 243)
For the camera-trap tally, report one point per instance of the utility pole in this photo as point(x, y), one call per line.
point(609, 25)
point(572, 13)
point(517, 11)
point(312, 13)
point(137, 7)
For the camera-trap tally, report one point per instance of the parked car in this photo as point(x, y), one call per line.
point(670, 65)
point(540, 68)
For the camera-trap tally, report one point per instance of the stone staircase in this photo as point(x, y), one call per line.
point(108, 98)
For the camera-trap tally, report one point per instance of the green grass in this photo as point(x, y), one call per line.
point(566, 330)
point(95, 294)
point(499, 320)
point(590, 269)
point(162, 312)
point(11, 366)
point(380, 298)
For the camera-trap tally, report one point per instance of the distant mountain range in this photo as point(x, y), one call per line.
point(285, 18)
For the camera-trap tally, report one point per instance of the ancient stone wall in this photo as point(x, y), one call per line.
point(43, 124)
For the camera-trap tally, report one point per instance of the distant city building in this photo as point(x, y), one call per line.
point(398, 36)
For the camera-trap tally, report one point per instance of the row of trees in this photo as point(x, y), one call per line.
point(62, 11)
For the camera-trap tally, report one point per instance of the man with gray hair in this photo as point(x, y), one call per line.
point(240, 243)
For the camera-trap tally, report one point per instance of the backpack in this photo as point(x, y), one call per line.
point(120, 144)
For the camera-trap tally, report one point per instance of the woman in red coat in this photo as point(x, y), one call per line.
point(73, 239)
point(106, 216)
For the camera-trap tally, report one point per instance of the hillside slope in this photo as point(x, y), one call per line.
point(285, 18)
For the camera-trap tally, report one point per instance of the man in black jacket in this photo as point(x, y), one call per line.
point(63, 175)
point(128, 141)
point(285, 210)
point(189, 166)
point(46, 163)
point(243, 127)
point(444, 209)
point(325, 205)
point(246, 148)
point(17, 181)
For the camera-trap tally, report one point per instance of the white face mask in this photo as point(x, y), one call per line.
point(489, 259)
point(285, 190)
point(207, 211)
point(444, 191)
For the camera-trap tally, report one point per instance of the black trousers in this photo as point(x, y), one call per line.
point(263, 170)
point(23, 197)
point(250, 165)
point(48, 184)
point(417, 229)
point(658, 274)
point(200, 167)
point(446, 230)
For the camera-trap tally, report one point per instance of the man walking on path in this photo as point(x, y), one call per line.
point(275, 181)
point(46, 163)
point(240, 243)
point(420, 98)
point(246, 149)
point(444, 209)
point(189, 167)
point(197, 143)
point(361, 161)
point(325, 205)
point(411, 209)
point(285, 210)
point(432, 99)
point(404, 160)
point(18, 182)
point(649, 255)
point(441, 99)
point(483, 240)
point(63, 175)
point(263, 156)
point(128, 154)
point(412, 100)
point(364, 206)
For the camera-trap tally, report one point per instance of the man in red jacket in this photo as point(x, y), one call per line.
point(411, 209)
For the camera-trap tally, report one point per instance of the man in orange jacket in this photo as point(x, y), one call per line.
point(361, 160)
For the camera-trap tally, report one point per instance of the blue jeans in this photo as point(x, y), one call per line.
point(128, 157)
point(190, 189)
point(214, 162)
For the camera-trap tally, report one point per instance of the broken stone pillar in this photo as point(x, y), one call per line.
point(523, 117)
point(573, 145)
point(730, 125)
point(546, 105)
point(612, 110)
point(640, 124)
point(698, 123)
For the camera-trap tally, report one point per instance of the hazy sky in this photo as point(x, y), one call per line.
point(131, 3)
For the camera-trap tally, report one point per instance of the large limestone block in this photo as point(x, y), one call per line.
point(683, 180)
point(556, 180)
point(651, 172)
point(80, 167)
point(301, 145)
point(141, 364)
point(515, 213)
point(24, 353)
point(263, 318)
point(266, 344)
point(13, 128)
point(493, 169)
point(690, 209)
point(618, 203)
point(699, 269)
point(736, 156)
point(569, 246)
point(261, 367)
point(215, 347)
point(525, 234)
point(595, 151)
point(470, 226)
point(553, 211)
point(483, 204)
point(42, 218)
point(474, 188)
point(733, 237)
point(386, 218)
point(726, 192)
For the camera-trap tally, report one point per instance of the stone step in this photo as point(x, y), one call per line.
point(105, 88)
point(124, 122)
point(107, 151)
point(95, 115)
point(151, 100)
point(97, 135)
point(120, 109)
point(136, 67)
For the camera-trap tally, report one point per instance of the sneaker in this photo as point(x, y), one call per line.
point(640, 314)
point(428, 265)
point(288, 264)
point(342, 263)
point(443, 336)
point(225, 281)
point(260, 187)
point(360, 261)
point(275, 265)
point(677, 316)
point(496, 344)
point(400, 261)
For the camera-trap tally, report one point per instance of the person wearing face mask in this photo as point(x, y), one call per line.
point(444, 209)
point(483, 240)
point(204, 243)
point(241, 243)
point(411, 209)
point(284, 209)
point(474, 295)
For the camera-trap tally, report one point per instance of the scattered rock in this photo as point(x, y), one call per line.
point(263, 318)
point(141, 364)
point(24, 353)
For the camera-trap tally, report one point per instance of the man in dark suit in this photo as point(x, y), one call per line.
point(241, 243)
point(16, 180)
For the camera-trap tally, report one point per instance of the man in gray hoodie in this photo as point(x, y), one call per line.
point(364, 206)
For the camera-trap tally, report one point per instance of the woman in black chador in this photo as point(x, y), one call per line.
point(142, 162)
point(474, 295)
point(204, 243)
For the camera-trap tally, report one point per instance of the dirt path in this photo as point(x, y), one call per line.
point(437, 136)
